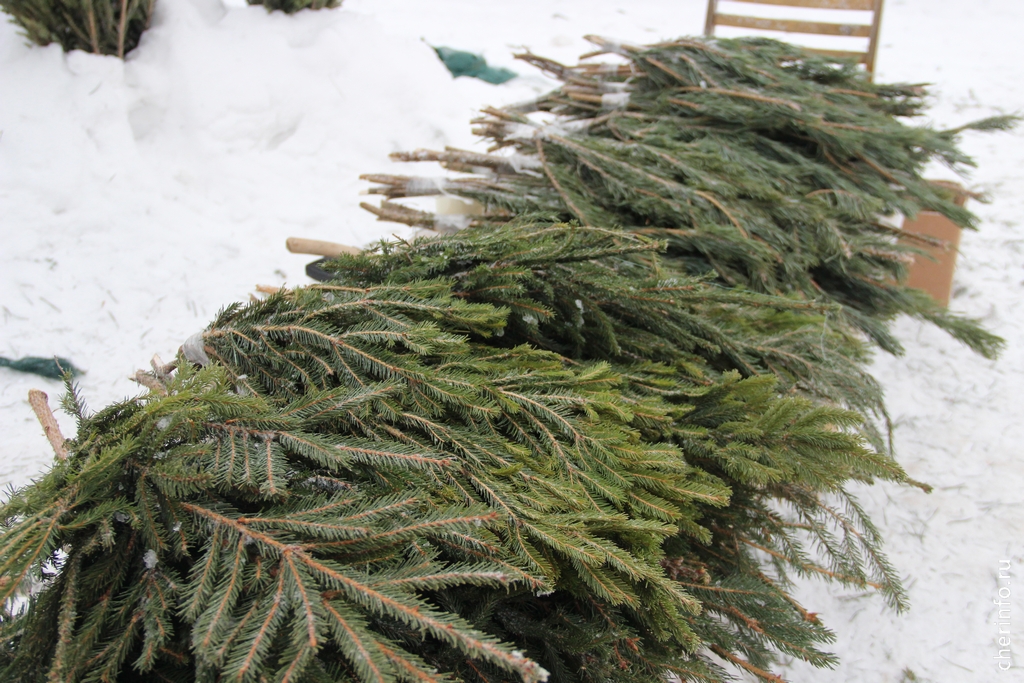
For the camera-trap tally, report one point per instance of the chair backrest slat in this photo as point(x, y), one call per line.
point(841, 54)
point(868, 5)
point(869, 31)
point(795, 26)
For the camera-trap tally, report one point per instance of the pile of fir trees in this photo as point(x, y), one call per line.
point(585, 452)
point(769, 167)
point(391, 477)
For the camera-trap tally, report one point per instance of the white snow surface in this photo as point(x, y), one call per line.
point(139, 197)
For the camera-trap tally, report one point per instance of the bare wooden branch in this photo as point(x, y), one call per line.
point(122, 27)
point(396, 213)
point(94, 40)
point(149, 381)
point(452, 159)
point(161, 369)
point(41, 407)
point(268, 289)
point(301, 245)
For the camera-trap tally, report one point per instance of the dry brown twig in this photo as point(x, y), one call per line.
point(41, 407)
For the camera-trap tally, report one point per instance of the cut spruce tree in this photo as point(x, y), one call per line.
point(391, 477)
point(595, 294)
point(767, 166)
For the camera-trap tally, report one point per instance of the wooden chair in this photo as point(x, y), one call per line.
point(869, 31)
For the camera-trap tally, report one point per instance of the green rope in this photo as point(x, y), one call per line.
point(53, 367)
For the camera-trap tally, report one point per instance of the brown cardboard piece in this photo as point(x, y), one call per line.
point(936, 276)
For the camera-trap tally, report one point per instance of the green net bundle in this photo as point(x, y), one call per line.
point(54, 367)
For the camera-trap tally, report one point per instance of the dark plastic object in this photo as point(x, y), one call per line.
point(314, 271)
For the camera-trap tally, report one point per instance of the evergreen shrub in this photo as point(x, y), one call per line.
point(103, 27)
point(293, 6)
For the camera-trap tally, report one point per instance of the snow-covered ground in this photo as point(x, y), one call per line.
point(137, 198)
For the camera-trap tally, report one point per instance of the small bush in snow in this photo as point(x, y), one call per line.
point(108, 27)
point(105, 27)
point(293, 6)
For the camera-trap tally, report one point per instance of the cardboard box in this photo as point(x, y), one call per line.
point(935, 275)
